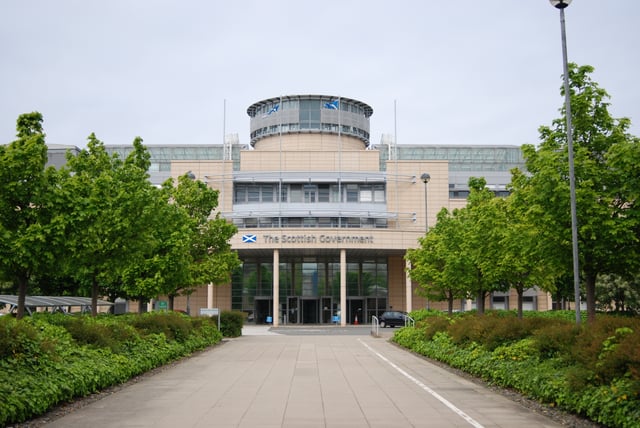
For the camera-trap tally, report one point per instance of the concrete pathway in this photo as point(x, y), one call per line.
point(304, 377)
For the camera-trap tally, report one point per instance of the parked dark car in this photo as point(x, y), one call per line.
point(392, 319)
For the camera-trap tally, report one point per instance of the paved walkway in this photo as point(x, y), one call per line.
point(304, 377)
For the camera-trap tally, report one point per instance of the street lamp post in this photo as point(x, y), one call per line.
point(191, 176)
point(562, 4)
point(425, 177)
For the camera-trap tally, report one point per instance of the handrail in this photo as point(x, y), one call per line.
point(409, 321)
point(375, 326)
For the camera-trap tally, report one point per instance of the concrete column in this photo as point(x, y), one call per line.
point(276, 288)
point(343, 287)
point(408, 288)
point(210, 296)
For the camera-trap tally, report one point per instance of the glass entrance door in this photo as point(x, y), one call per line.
point(310, 311)
point(326, 305)
point(293, 310)
point(263, 310)
point(355, 310)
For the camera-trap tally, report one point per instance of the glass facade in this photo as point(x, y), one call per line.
point(308, 193)
point(310, 289)
point(305, 113)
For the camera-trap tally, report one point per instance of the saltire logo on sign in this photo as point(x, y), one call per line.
point(249, 238)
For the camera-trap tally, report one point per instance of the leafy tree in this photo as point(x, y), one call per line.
point(209, 252)
point(481, 226)
point(624, 159)
point(617, 294)
point(30, 230)
point(606, 207)
point(457, 257)
point(520, 259)
point(439, 262)
point(110, 203)
point(167, 259)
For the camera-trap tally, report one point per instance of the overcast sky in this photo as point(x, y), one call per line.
point(458, 72)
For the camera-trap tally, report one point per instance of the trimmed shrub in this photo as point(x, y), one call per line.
point(433, 324)
point(100, 332)
point(231, 323)
point(591, 370)
point(48, 358)
point(556, 339)
point(174, 325)
point(23, 341)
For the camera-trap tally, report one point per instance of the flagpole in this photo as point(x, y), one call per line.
point(280, 169)
point(395, 158)
point(224, 149)
point(340, 159)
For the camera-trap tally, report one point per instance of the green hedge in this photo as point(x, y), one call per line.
point(592, 370)
point(49, 359)
point(230, 323)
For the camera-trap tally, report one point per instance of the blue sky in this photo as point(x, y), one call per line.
point(435, 72)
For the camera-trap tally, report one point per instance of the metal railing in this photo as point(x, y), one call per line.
point(408, 321)
point(375, 326)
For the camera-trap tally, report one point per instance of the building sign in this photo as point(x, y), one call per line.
point(209, 312)
point(316, 239)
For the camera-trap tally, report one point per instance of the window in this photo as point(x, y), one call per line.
point(240, 194)
point(292, 222)
point(366, 194)
point(352, 193)
point(309, 114)
point(265, 222)
point(253, 193)
point(381, 223)
point(310, 192)
point(324, 222)
point(500, 302)
point(295, 193)
point(353, 222)
point(378, 193)
point(267, 192)
point(335, 193)
point(323, 192)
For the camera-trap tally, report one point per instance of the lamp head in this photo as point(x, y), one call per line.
point(425, 177)
point(560, 4)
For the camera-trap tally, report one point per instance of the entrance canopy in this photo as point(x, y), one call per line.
point(55, 303)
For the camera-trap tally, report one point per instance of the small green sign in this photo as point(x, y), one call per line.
point(163, 305)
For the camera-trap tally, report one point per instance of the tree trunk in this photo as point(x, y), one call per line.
point(171, 298)
point(591, 297)
point(22, 295)
point(450, 304)
point(520, 291)
point(94, 296)
point(480, 302)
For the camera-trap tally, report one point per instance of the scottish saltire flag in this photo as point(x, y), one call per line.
point(273, 110)
point(333, 105)
point(249, 238)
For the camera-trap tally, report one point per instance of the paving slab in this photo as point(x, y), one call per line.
point(304, 377)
